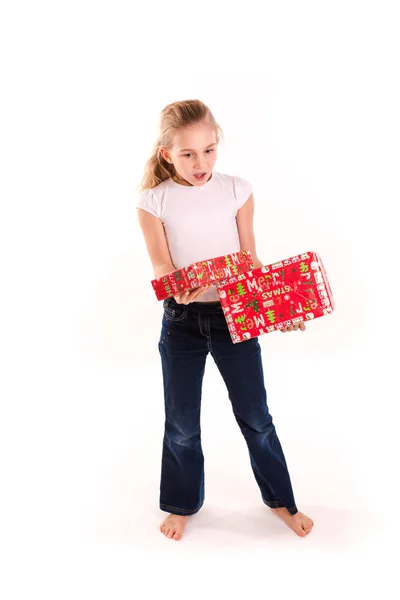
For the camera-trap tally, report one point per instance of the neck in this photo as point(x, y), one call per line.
point(181, 181)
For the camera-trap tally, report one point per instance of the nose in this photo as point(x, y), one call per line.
point(199, 164)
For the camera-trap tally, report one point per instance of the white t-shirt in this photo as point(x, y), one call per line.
point(199, 221)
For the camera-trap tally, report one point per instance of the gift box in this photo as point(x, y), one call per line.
point(201, 273)
point(275, 296)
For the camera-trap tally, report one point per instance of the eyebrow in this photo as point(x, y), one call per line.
point(191, 149)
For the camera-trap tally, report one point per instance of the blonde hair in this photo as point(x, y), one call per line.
point(174, 116)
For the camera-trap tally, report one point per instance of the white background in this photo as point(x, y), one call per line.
point(307, 95)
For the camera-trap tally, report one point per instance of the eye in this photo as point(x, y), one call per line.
point(209, 150)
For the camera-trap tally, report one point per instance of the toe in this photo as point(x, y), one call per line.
point(177, 536)
point(308, 527)
point(171, 533)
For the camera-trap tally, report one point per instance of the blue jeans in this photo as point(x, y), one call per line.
point(188, 333)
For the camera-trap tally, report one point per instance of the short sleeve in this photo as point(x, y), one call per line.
point(147, 200)
point(242, 190)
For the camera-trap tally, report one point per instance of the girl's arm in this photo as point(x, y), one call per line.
point(156, 243)
point(244, 220)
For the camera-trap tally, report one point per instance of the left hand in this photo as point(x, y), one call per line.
point(295, 327)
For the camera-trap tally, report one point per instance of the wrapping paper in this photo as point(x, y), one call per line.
point(268, 298)
point(200, 273)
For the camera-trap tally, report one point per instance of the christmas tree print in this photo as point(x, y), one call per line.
point(240, 289)
point(228, 261)
point(240, 321)
point(270, 314)
point(303, 267)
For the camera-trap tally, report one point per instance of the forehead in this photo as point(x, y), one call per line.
point(195, 137)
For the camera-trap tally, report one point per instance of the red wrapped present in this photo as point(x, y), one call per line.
point(201, 273)
point(275, 296)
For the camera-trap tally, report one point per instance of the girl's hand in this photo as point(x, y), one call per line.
point(301, 326)
point(187, 297)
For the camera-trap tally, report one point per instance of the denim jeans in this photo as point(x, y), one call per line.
point(188, 333)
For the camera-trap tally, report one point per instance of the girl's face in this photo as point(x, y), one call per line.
point(194, 152)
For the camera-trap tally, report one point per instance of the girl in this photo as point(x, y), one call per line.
point(188, 212)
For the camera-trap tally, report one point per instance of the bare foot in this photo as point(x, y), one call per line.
point(172, 527)
point(300, 523)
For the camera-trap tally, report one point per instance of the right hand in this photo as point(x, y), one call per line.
point(187, 297)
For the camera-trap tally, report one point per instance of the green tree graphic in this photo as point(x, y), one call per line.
point(240, 289)
point(240, 321)
point(270, 314)
point(304, 267)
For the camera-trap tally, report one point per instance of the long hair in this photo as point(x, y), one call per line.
point(174, 116)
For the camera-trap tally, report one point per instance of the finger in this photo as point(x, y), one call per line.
point(182, 298)
point(190, 295)
point(187, 297)
point(198, 292)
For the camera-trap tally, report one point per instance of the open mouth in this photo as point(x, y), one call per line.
point(201, 176)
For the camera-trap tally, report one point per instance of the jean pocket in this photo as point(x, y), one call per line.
point(175, 312)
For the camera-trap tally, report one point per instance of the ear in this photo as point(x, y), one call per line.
point(165, 155)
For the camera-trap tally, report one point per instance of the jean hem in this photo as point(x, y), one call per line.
point(179, 511)
point(278, 504)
